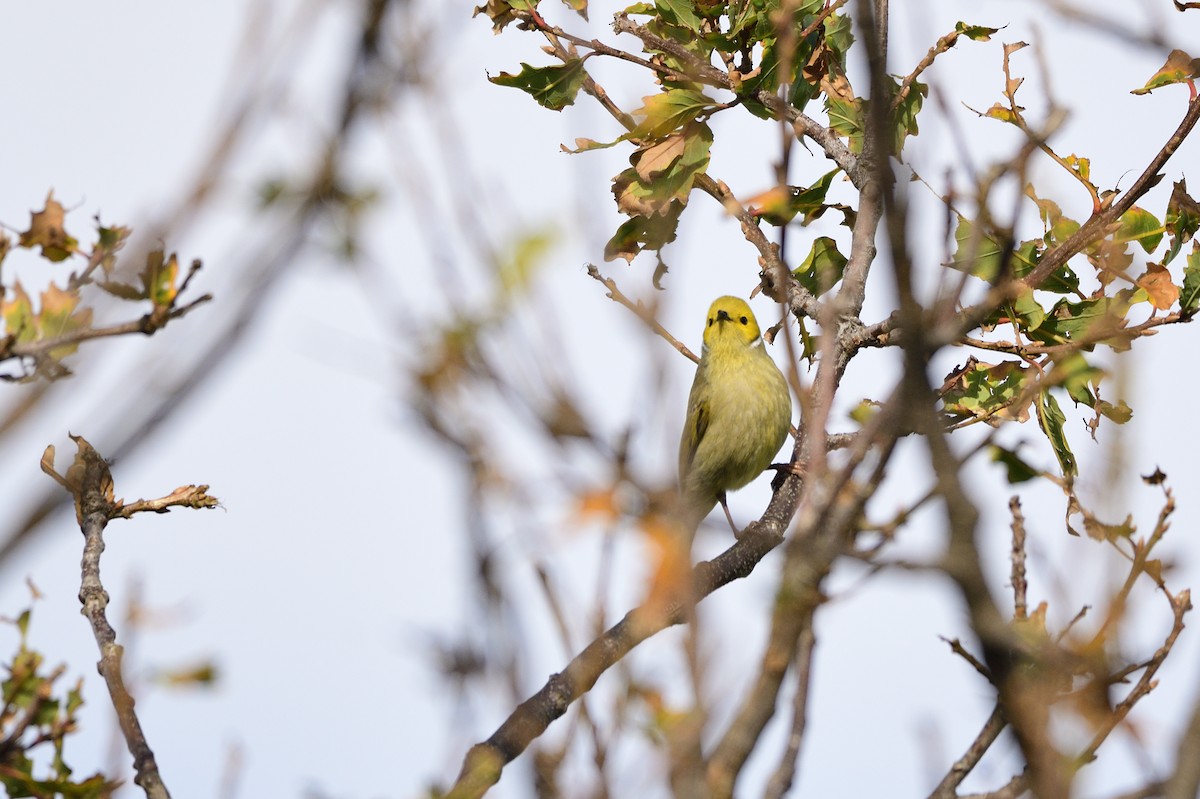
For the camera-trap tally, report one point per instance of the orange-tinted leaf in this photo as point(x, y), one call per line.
point(599, 502)
point(1179, 68)
point(1159, 288)
point(659, 158)
point(159, 278)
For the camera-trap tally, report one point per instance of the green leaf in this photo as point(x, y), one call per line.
point(159, 278)
point(976, 33)
point(781, 204)
point(580, 7)
point(1025, 310)
point(664, 113)
point(1052, 421)
point(1018, 471)
point(1119, 413)
point(1183, 219)
point(1179, 68)
point(904, 119)
point(1189, 298)
point(1141, 226)
point(822, 268)
point(1077, 376)
point(19, 319)
point(664, 172)
point(520, 263)
point(1097, 321)
point(643, 233)
point(553, 87)
point(977, 253)
point(982, 390)
point(679, 12)
point(845, 119)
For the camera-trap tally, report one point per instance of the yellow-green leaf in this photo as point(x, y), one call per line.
point(553, 87)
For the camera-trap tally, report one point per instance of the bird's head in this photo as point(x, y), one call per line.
point(730, 321)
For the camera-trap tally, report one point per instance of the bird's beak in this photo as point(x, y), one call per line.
point(723, 316)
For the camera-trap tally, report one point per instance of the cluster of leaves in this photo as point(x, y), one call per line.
point(33, 718)
point(40, 335)
point(1049, 333)
point(761, 53)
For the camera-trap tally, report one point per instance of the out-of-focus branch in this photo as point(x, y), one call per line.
point(781, 781)
point(948, 787)
point(484, 762)
point(147, 325)
point(262, 268)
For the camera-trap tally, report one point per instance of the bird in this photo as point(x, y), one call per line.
point(738, 415)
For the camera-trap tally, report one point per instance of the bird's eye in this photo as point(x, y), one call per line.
point(745, 321)
point(710, 321)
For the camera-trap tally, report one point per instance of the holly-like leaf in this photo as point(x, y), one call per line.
point(644, 233)
point(985, 391)
point(781, 204)
point(1183, 219)
point(109, 241)
point(1018, 471)
point(1141, 226)
point(1052, 421)
point(1179, 68)
point(976, 33)
point(580, 7)
point(553, 87)
point(1077, 376)
point(1024, 310)
point(58, 317)
point(904, 117)
point(1157, 282)
point(668, 111)
point(159, 278)
point(663, 173)
point(46, 230)
point(1097, 320)
point(1119, 413)
point(679, 12)
point(845, 119)
point(19, 319)
point(977, 253)
point(503, 12)
point(1189, 298)
point(1102, 531)
point(822, 268)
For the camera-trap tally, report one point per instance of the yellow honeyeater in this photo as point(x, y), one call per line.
point(738, 411)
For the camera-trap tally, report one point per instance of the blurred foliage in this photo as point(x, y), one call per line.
point(39, 716)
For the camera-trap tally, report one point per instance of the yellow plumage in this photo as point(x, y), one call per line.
point(738, 414)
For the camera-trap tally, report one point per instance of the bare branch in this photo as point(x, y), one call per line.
point(948, 787)
point(94, 501)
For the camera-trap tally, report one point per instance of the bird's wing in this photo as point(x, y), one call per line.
point(693, 433)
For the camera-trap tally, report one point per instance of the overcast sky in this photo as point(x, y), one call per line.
point(339, 549)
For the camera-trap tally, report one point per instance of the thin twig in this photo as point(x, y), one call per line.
point(641, 312)
point(1019, 585)
point(948, 787)
point(781, 781)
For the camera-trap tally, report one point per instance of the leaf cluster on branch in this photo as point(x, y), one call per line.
point(1026, 317)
